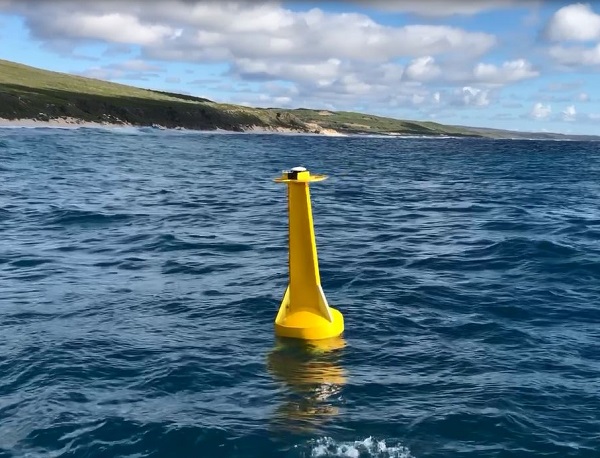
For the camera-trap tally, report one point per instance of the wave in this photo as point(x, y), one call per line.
point(84, 217)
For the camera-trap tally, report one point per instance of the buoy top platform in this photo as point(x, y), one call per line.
point(300, 175)
point(304, 312)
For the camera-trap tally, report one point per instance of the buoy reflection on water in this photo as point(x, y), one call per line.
point(313, 377)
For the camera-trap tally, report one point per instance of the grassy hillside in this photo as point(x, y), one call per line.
point(351, 122)
point(31, 93)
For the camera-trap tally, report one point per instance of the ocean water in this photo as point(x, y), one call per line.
point(141, 271)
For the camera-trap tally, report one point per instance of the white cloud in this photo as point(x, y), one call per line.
point(389, 84)
point(471, 96)
point(331, 36)
point(109, 27)
point(583, 97)
point(574, 56)
point(422, 69)
point(353, 84)
point(576, 22)
point(418, 99)
point(509, 72)
point(540, 111)
point(569, 113)
point(446, 8)
point(428, 69)
point(323, 73)
point(200, 31)
point(269, 100)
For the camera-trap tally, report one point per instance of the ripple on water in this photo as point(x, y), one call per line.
point(66, 217)
point(141, 275)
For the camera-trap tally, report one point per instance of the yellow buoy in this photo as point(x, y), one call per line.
point(304, 312)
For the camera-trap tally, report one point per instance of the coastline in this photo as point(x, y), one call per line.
point(64, 101)
point(64, 123)
point(74, 123)
point(311, 129)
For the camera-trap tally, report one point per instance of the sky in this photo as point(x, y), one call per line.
point(526, 65)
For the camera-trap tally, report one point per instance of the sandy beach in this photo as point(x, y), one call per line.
point(64, 123)
point(73, 123)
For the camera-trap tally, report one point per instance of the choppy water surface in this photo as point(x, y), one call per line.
point(141, 273)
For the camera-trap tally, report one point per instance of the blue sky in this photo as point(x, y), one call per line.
point(514, 64)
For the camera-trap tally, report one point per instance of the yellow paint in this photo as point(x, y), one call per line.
point(304, 312)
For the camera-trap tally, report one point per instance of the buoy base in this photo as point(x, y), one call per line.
point(307, 325)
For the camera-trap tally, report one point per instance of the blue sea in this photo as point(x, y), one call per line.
point(141, 271)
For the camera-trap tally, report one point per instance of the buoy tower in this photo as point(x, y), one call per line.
point(304, 312)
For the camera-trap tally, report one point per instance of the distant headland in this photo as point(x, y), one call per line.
point(34, 97)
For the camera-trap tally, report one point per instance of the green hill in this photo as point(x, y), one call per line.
point(31, 93)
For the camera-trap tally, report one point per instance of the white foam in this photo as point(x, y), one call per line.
point(328, 448)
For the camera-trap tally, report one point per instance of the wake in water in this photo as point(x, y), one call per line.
point(326, 447)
